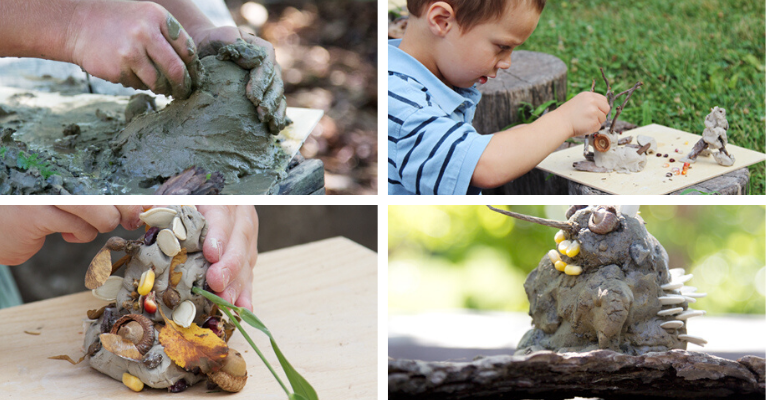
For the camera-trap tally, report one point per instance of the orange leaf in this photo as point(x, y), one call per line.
point(120, 346)
point(193, 347)
point(99, 269)
point(179, 259)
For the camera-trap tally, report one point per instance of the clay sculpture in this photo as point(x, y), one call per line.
point(606, 285)
point(713, 138)
point(610, 152)
point(127, 338)
point(218, 126)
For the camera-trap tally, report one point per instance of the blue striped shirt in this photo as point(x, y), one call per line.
point(432, 147)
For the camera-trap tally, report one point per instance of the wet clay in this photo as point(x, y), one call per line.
point(619, 158)
point(613, 303)
point(216, 127)
point(156, 369)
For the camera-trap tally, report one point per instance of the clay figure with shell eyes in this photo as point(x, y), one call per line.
point(606, 285)
point(153, 311)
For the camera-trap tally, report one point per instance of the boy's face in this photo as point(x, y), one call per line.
point(465, 58)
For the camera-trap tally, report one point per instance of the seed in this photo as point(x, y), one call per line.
point(147, 282)
point(678, 151)
point(151, 236)
point(185, 313)
point(686, 164)
point(108, 291)
point(560, 265)
point(563, 246)
point(669, 174)
point(554, 256)
point(179, 229)
point(665, 155)
point(573, 270)
point(160, 217)
point(672, 160)
point(559, 237)
point(659, 155)
point(168, 242)
point(178, 387)
point(150, 305)
point(132, 382)
point(665, 165)
point(683, 172)
point(573, 249)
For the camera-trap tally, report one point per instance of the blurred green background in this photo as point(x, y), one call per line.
point(446, 257)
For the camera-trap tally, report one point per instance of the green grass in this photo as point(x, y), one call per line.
point(691, 55)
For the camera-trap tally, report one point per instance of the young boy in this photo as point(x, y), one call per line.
point(448, 47)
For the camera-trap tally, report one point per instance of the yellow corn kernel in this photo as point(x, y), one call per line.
point(563, 246)
point(559, 237)
point(554, 256)
point(560, 265)
point(573, 270)
point(132, 382)
point(573, 249)
point(147, 283)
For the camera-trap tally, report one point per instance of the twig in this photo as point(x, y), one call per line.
point(541, 221)
point(620, 108)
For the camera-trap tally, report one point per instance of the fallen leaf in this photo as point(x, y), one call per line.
point(66, 357)
point(99, 269)
point(120, 346)
point(178, 259)
point(193, 346)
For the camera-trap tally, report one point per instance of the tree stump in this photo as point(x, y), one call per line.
point(733, 183)
point(675, 374)
point(533, 78)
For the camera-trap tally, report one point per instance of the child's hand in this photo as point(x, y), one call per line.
point(137, 44)
point(25, 227)
point(231, 246)
point(585, 112)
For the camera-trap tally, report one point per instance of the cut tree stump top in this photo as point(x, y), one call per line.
point(319, 300)
point(532, 78)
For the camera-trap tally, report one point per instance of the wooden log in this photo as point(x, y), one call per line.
point(676, 374)
point(305, 178)
point(533, 78)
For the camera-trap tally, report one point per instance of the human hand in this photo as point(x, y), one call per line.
point(25, 227)
point(265, 88)
point(585, 112)
point(137, 44)
point(231, 246)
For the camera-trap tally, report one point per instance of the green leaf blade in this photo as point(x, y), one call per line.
point(300, 385)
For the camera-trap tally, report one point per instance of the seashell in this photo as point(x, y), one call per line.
point(670, 311)
point(185, 313)
point(671, 299)
point(690, 299)
point(672, 286)
point(690, 313)
point(601, 142)
point(681, 279)
point(179, 229)
point(629, 211)
point(160, 217)
point(693, 339)
point(168, 243)
point(676, 272)
point(693, 295)
point(672, 325)
point(108, 291)
point(145, 341)
point(688, 289)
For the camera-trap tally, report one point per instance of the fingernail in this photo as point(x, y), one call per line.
point(217, 246)
point(231, 294)
point(225, 277)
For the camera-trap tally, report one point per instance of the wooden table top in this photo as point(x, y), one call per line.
point(319, 300)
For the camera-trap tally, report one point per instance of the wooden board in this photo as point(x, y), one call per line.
point(652, 179)
point(319, 300)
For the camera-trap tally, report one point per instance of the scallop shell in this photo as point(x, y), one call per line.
point(672, 325)
point(168, 242)
point(108, 291)
point(160, 217)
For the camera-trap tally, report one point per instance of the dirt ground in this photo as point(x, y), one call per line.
point(328, 53)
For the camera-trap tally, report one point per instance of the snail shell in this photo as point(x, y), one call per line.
point(603, 220)
point(147, 339)
point(601, 142)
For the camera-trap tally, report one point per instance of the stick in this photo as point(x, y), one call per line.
point(541, 221)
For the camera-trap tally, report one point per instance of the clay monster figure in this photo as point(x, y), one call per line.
point(161, 269)
point(609, 155)
point(713, 138)
point(606, 286)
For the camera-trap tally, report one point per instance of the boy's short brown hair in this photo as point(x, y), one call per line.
point(470, 13)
